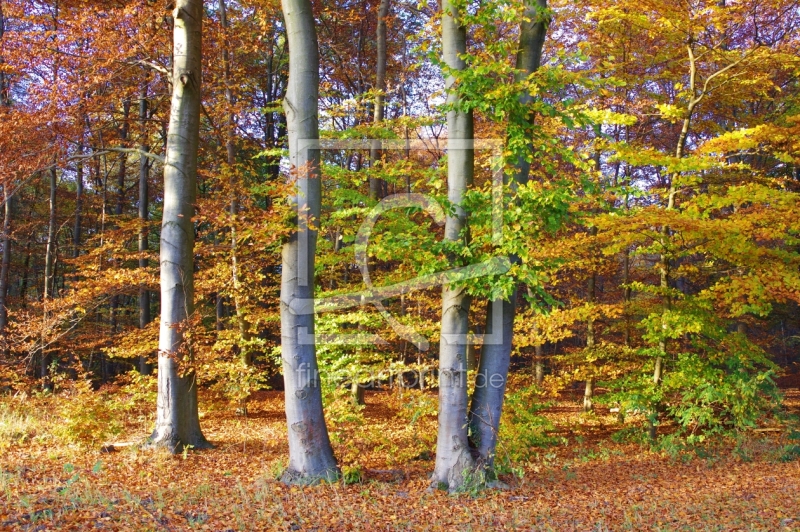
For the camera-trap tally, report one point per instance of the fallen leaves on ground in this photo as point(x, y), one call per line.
point(591, 483)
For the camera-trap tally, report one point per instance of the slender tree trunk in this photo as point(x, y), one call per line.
point(177, 420)
point(49, 263)
point(538, 367)
point(4, 267)
point(588, 394)
point(230, 149)
point(121, 171)
point(310, 454)
point(24, 278)
point(76, 232)
point(453, 458)
point(377, 186)
point(627, 295)
point(487, 401)
point(144, 215)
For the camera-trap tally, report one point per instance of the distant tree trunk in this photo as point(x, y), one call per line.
point(5, 93)
point(310, 454)
point(538, 352)
point(626, 272)
point(76, 232)
point(24, 278)
point(230, 148)
point(49, 262)
point(538, 366)
point(177, 420)
point(4, 267)
point(144, 215)
point(377, 186)
point(487, 401)
point(123, 160)
point(453, 458)
point(588, 394)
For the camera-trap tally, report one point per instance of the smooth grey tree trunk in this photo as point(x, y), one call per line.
point(4, 267)
point(310, 454)
point(377, 186)
point(177, 421)
point(487, 401)
point(453, 459)
point(144, 215)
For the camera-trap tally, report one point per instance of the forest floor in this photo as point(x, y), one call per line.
point(588, 481)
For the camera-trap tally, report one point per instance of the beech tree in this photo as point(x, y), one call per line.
point(453, 459)
point(487, 400)
point(310, 454)
point(177, 420)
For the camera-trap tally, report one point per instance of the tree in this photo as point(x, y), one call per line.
point(487, 401)
point(4, 267)
point(310, 454)
point(144, 215)
point(177, 420)
point(453, 459)
point(377, 186)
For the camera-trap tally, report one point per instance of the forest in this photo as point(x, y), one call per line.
point(400, 265)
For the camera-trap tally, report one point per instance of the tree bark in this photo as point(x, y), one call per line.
point(144, 215)
point(487, 401)
point(311, 457)
point(453, 459)
point(177, 420)
point(377, 186)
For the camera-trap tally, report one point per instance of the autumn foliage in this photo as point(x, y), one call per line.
point(641, 185)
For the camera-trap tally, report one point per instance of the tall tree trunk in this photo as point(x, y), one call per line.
point(49, 266)
point(76, 232)
point(377, 186)
point(230, 149)
point(626, 279)
point(144, 215)
point(4, 267)
point(123, 166)
point(588, 394)
point(177, 420)
point(487, 401)
point(453, 458)
point(310, 454)
point(664, 262)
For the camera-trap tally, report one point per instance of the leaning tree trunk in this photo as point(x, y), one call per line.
point(144, 214)
point(487, 401)
point(453, 458)
point(377, 186)
point(177, 421)
point(4, 267)
point(310, 454)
